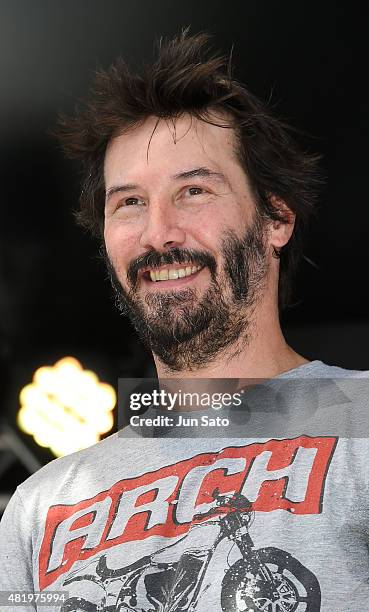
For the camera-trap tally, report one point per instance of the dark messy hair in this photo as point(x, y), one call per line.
point(187, 77)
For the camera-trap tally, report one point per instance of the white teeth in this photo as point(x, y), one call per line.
point(163, 275)
point(173, 273)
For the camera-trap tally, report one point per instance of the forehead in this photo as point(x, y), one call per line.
point(165, 147)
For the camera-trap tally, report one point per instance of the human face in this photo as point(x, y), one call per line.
point(182, 206)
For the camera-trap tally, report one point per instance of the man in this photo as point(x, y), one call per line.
point(201, 197)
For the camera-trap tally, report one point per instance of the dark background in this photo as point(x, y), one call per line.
point(308, 57)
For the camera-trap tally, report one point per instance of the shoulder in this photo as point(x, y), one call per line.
point(319, 369)
point(334, 371)
point(59, 474)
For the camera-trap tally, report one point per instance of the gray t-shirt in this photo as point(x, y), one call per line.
point(273, 516)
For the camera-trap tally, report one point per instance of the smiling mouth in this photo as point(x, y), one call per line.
point(169, 273)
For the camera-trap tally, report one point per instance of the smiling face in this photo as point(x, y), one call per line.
point(185, 248)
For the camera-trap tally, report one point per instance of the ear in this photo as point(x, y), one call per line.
point(281, 231)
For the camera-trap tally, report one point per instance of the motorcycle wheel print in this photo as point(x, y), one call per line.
point(78, 604)
point(294, 587)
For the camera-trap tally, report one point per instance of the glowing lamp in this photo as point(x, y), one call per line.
point(66, 408)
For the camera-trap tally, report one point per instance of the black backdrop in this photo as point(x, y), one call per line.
point(308, 57)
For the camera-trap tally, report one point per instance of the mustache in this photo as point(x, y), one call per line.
point(173, 256)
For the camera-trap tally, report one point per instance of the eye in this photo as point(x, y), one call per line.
point(133, 202)
point(195, 191)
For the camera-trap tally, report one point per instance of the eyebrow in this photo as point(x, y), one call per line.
point(202, 172)
point(120, 189)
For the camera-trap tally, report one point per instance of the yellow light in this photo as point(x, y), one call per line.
point(65, 407)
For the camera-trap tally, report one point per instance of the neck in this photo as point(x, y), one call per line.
point(265, 354)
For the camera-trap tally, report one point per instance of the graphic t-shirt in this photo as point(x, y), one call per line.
point(277, 521)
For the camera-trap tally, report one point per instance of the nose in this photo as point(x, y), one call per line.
point(162, 229)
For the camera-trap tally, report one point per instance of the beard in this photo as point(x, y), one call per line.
point(187, 332)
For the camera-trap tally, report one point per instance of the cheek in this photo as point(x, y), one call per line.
point(209, 229)
point(120, 245)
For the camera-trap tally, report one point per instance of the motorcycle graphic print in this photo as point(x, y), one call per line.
point(194, 532)
point(268, 579)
